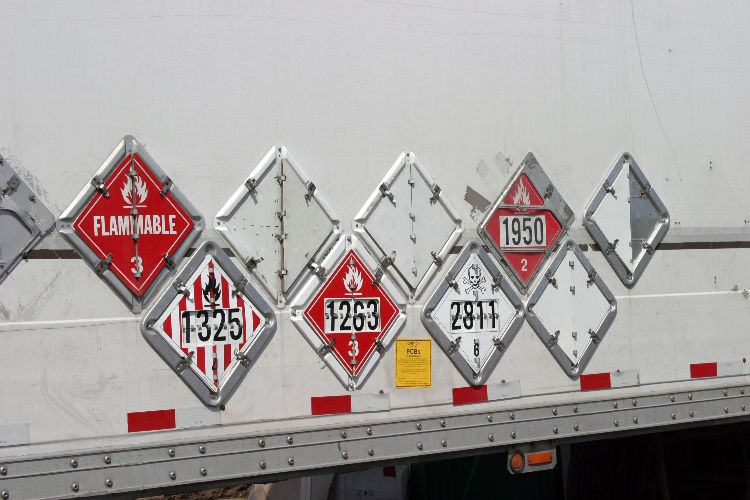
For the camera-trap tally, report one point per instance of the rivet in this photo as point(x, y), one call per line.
point(671, 398)
point(289, 439)
point(107, 459)
point(4, 495)
point(690, 395)
point(724, 392)
point(262, 443)
point(491, 437)
point(290, 461)
point(617, 423)
point(674, 416)
point(635, 403)
point(370, 451)
point(262, 464)
point(575, 427)
point(444, 443)
point(419, 426)
point(3, 470)
point(442, 423)
point(512, 416)
point(691, 413)
point(555, 430)
point(490, 418)
point(419, 446)
point(170, 452)
point(75, 487)
point(201, 450)
point(726, 410)
point(74, 463)
point(369, 431)
point(513, 434)
point(344, 455)
point(614, 405)
point(575, 409)
point(554, 411)
point(108, 483)
point(203, 471)
point(344, 434)
point(172, 475)
point(635, 420)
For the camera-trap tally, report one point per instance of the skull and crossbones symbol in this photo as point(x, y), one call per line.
point(475, 280)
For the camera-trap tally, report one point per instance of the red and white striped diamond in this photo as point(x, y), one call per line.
point(209, 292)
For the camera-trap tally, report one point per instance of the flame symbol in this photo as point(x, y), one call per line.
point(211, 286)
point(140, 190)
point(521, 196)
point(353, 278)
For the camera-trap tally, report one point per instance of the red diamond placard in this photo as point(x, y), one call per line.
point(351, 313)
point(107, 225)
point(131, 224)
point(526, 222)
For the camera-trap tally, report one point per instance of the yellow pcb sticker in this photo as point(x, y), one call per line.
point(413, 363)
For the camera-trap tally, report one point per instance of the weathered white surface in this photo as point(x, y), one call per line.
point(469, 87)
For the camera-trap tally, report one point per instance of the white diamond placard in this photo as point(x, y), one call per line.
point(408, 225)
point(571, 308)
point(627, 219)
point(279, 225)
point(474, 314)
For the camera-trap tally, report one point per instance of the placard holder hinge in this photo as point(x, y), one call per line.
point(103, 265)
point(592, 278)
point(435, 194)
point(453, 346)
point(379, 346)
point(184, 362)
point(12, 185)
point(386, 192)
point(552, 280)
point(326, 348)
point(99, 186)
point(239, 285)
point(436, 258)
point(552, 340)
point(594, 336)
point(317, 270)
point(166, 187)
point(181, 288)
point(499, 344)
point(242, 358)
point(310, 191)
point(169, 261)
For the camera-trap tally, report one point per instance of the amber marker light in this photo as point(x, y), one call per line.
point(540, 458)
point(516, 461)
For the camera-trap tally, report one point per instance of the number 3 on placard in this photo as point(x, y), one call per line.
point(138, 263)
point(524, 264)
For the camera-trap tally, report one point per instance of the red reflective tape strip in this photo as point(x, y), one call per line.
point(329, 405)
point(702, 370)
point(596, 381)
point(389, 471)
point(469, 395)
point(151, 420)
